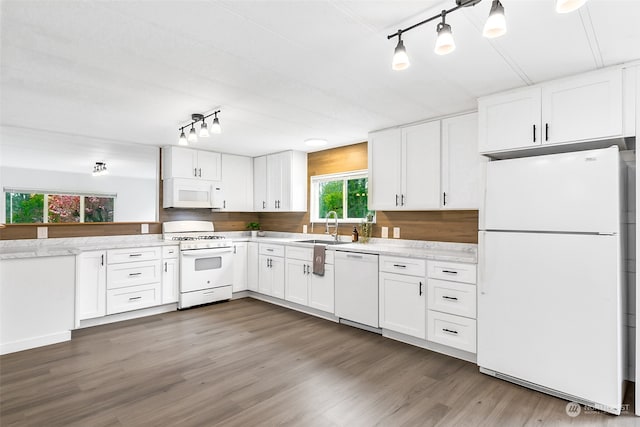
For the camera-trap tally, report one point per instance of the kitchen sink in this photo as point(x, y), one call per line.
point(321, 242)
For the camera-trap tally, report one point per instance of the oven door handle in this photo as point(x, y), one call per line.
point(206, 252)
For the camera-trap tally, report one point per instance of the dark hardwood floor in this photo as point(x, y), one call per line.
point(246, 363)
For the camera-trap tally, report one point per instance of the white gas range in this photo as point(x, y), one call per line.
point(206, 262)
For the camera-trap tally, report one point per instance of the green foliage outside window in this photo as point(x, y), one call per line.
point(24, 208)
point(29, 208)
point(347, 196)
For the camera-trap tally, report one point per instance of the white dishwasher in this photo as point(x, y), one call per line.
point(356, 287)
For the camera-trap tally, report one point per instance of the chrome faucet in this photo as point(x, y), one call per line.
point(334, 215)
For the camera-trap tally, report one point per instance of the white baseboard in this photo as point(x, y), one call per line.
point(128, 315)
point(26, 344)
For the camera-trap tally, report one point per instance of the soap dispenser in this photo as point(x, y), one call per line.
point(354, 234)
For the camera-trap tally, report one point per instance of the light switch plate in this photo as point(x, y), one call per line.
point(304, 228)
point(43, 232)
point(385, 232)
point(144, 228)
point(396, 232)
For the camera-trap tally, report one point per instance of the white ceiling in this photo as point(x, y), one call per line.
point(281, 71)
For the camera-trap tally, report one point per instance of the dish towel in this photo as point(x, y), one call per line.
point(318, 259)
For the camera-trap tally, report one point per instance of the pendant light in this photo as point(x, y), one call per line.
point(204, 132)
point(444, 42)
point(400, 57)
point(183, 139)
point(192, 135)
point(566, 6)
point(215, 126)
point(496, 24)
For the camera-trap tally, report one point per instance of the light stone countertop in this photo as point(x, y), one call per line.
point(442, 251)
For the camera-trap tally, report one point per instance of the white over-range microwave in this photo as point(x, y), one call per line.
point(192, 193)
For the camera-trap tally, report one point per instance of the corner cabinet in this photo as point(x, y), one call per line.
point(582, 108)
point(237, 183)
point(432, 165)
point(280, 182)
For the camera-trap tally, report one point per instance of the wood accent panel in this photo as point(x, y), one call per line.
point(29, 231)
point(442, 226)
point(223, 221)
point(248, 363)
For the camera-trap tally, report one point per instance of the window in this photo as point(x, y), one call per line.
point(24, 207)
point(345, 193)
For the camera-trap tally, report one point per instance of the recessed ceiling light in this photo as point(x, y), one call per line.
point(315, 142)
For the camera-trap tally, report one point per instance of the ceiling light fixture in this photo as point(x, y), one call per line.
point(204, 130)
point(566, 6)
point(444, 42)
point(100, 169)
point(400, 57)
point(315, 142)
point(496, 24)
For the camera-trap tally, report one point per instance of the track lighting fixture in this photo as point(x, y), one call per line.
point(400, 58)
point(444, 41)
point(496, 25)
point(566, 6)
point(204, 130)
point(100, 169)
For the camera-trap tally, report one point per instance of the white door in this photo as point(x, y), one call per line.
point(170, 280)
point(274, 181)
point(265, 275)
point(421, 166)
point(237, 182)
point(549, 311)
point(277, 268)
point(403, 304)
point(209, 165)
point(296, 281)
point(462, 166)
point(260, 184)
point(321, 290)
point(183, 163)
point(284, 200)
point(583, 108)
point(253, 263)
point(509, 121)
point(578, 192)
point(240, 267)
point(385, 184)
point(92, 285)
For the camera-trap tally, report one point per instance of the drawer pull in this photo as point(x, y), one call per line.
point(449, 298)
point(134, 274)
point(134, 255)
point(399, 265)
point(269, 250)
point(134, 298)
point(450, 331)
point(450, 271)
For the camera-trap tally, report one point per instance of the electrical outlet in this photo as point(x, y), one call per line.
point(144, 228)
point(385, 232)
point(43, 232)
point(304, 228)
point(396, 232)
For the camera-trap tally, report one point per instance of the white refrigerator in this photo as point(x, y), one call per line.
point(550, 276)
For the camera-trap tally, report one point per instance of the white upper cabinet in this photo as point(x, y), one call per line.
point(237, 183)
point(462, 166)
point(187, 163)
point(404, 168)
point(280, 182)
point(587, 107)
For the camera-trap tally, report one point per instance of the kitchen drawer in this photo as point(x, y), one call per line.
point(133, 273)
point(133, 298)
point(205, 296)
point(454, 271)
point(273, 250)
point(306, 254)
point(170, 251)
point(408, 266)
point(116, 256)
point(451, 297)
point(453, 331)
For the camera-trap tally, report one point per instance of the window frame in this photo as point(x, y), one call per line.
point(314, 194)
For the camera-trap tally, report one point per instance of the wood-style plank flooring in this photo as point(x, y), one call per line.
point(247, 363)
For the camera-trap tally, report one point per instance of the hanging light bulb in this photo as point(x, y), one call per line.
point(183, 139)
point(496, 25)
point(444, 42)
point(192, 135)
point(400, 57)
point(204, 132)
point(566, 6)
point(215, 126)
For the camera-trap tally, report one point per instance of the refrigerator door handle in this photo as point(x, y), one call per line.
point(481, 263)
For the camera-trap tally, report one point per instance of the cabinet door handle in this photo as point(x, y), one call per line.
point(102, 259)
point(546, 131)
point(399, 266)
point(165, 266)
point(534, 133)
point(402, 200)
point(396, 200)
point(449, 272)
point(235, 251)
point(264, 205)
point(270, 263)
point(450, 331)
point(304, 268)
point(449, 298)
point(444, 198)
point(224, 204)
point(267, 262)
point(134, 274)
point(195, 172)
point(200, 172)
point(420, 287)
point(134, 298)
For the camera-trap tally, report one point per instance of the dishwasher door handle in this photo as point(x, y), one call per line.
point(354, 256)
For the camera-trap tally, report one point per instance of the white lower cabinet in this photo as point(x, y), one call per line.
point(304, 287)
point(403, 296)
point(271, 270)
point(91, 287)
point(451, 314)
point(240, 267)
point(297, 281)
point(170, 274)
point(133, 298)
point(322, 289)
